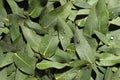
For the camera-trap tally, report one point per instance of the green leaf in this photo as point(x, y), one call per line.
point(107, 59)
point(6, 59)
point(14, 29)
point(91, 23)
point(15, 8)
point(97, 19)
point(81, 4)
point(116, 21)
point(78, 63)
point(3, 74)
point(113, 4)
point(116, 75)
point(12, 76)
point(36, 7)
point(108, 74)
point(24, 62)
point(68, 75)
point(35, 26)
point(65, 33)
point(32, 38)
point(103, 16)
point(49, 64)
point(19, 75)
point(83, 48)
point(103, 38)
point(48, 45)
point(11, 69)
point(60, 56)
point(31, 78)
point(50, 19)
point(3, 13)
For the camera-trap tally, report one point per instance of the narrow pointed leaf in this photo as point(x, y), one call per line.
point(49, 64)
point(65, 33)
point(48, 45)
point(32, 38)
point(24, 62)
point(83, 48)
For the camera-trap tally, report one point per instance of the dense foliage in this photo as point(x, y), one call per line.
point(59, 39)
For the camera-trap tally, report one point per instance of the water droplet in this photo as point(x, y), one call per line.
point(111, 38)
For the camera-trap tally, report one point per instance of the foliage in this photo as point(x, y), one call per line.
point(59, 39)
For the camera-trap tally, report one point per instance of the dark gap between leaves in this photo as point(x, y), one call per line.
point(23, 4)
point(22, 35)
point(93, 74)
point(80, 17)
point(7, 7)
point(35, 19)
point(113, 27)
point(77, 8)
point(56, 4)
point(61, 70)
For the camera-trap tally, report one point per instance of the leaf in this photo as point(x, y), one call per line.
point(14, 20)
point(19, 75)
point(3, 74)
point(83, 12)
point(97, 19)
point(91, 23)
point(65, 33)
point(14, 7)
point(83, 48)
point(67, 75)
point(107, 59)
point(60, 56)
point(12, 76)
point(99, 74)
point(116, 75)
point(35, 7)
point(50, 19)
point(103, 16)
point(108, 74)
point(78, 63)
point(49, 64)
point(116, 21)
point(103, 38)
point(6, 60)
point(113, 4)
point(24, 62)
point(31, 78)
point(48, 45)
point(35, 26)
point(81, 4)
point(11, 69)
point(3, 13)
point(81, 74)
point(32, 38)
